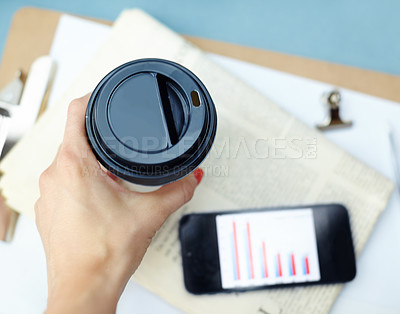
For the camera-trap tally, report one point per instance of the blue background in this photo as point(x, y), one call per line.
point(363, 33)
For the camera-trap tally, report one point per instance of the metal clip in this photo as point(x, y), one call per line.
point(333, 121)
point(19, 108)
point(12, 92)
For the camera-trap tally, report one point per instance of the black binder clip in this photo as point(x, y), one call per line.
point(333, 121)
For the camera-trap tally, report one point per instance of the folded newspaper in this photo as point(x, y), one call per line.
point(262, 156)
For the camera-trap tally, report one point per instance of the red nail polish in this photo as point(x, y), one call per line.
point(112, 176)
point(198, 174)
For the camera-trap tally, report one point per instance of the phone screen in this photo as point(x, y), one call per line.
point(267, 248)
point(264, 248)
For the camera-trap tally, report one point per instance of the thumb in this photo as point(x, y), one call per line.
point(174, 195)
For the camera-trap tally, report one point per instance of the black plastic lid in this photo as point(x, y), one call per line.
point(151, 121)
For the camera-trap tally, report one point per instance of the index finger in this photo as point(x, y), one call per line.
point(75, 133)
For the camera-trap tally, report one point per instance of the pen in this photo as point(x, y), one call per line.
point(395, 156)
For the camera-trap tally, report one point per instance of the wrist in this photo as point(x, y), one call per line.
point(88, 293)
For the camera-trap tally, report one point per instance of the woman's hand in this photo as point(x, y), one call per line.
point(95, 232)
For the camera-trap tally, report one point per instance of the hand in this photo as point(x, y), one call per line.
point(95, 232)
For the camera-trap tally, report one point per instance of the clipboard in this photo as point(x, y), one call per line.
point(32, 31)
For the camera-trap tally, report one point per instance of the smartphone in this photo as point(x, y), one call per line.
point(237, 251)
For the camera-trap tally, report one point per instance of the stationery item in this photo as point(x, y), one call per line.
point(150, 122)
point(20, 106)
point(395, 156)
point(333, 120)
point(235, 177)
point(23, 115)
point(9, 96)
point(11, 93)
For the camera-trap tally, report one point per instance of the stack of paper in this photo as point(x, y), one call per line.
point(262, 157)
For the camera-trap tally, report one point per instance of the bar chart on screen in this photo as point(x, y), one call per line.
point(267, 248)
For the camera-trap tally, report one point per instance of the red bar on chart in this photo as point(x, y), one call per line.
point(265, 260)
point(250, 251)
point(307, 265)
point(293, 265)
point(236, 251)
point(278, 266)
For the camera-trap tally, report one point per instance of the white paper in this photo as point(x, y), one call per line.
point(76, 41)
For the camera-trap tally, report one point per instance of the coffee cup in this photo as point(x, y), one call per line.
point(150, 122)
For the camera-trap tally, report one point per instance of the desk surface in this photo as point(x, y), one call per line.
point(361, 34)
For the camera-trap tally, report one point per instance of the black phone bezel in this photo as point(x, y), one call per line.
point(200, 258)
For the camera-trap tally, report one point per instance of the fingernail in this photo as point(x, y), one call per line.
point(198, 174)
point(112, 176)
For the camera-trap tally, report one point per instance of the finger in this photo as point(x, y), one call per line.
point(174, 195)
point(75, 134)
point(75, 150)
point(54, 162)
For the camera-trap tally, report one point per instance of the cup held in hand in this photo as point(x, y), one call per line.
point(151, 122)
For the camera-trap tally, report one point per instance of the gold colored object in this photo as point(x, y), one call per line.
point(333, 121)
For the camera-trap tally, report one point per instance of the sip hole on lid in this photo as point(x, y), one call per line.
point(195, 98)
